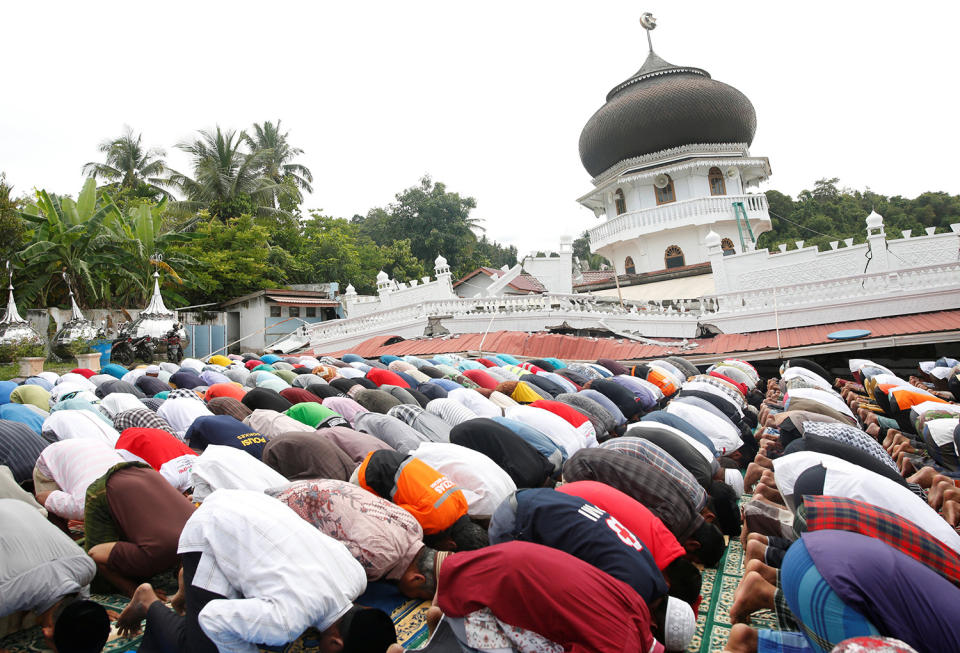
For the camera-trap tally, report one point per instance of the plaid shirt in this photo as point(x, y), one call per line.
point(656, 456)
point(835, 513)
point(406, 413)
point(723, 386)
point(143, 418)
point(642, 481)
point(228, 406)
point(852, 436)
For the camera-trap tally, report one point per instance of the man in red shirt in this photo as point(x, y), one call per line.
point(542, 598)
point(161, 450)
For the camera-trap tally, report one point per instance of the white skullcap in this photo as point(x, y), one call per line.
point(734, 479)
point(153, 369)
point(680, 625)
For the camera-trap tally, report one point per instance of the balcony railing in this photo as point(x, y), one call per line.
point(636, 223)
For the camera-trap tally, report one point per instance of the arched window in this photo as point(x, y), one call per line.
point(727, 246)
point(673, 257)
point(620, 201)
point(717, 185)
point(628, 266)
point(666, 194)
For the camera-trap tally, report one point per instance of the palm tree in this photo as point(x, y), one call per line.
point(278, 158)
point(128, 164)
point(226, 180)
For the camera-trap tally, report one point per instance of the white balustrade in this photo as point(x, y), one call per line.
point(633, 223)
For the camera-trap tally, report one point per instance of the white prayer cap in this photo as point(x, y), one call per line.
point(680, 625)
point(153, 370)
point(734, 479)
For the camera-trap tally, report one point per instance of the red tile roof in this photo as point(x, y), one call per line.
point(538, 345)
point(525, 282)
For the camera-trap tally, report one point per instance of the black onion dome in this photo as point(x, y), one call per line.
point(664, 106)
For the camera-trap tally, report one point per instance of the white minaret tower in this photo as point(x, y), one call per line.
point(670, 161)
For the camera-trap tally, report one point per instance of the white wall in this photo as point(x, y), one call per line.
point(555, 273)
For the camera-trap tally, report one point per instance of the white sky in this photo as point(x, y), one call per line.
point(488, 97)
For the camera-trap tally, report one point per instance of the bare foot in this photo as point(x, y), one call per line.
point(924, 478)
point(743, 639)
point(755, 551)
point(179, 600)
point(769, 573)
point(754, 594)
point(128, 624)
point(434, 614)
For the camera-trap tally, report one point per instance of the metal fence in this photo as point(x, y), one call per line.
point(204, 339)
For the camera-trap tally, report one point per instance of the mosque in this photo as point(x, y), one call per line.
point(670, 163)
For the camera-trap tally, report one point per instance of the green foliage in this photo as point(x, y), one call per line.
point(80, 346)
point(25, 348)
point(13, 229)
point(581, 249)
point(232, 259)
point(436, 222)
point(829, 213)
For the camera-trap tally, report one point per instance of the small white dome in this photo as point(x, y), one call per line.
point(712, 239)
point(566, 239)
point(874, 220)
point(382, 276)
point(351, 290)
point(440, 262)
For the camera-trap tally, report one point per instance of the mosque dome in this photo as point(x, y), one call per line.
point(382, 277)
point(712, 239)
point(660, 107)
point(874, 220)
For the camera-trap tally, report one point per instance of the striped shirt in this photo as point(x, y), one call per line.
point(73, 465)
point(20, 447)
point(450, 411)
point(648, 451)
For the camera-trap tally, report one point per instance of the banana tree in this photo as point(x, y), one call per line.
point(75, 237)
point(143, 233)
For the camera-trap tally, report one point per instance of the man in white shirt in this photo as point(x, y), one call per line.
point(560, 431)
point(482, 481)
point(254, 572)
point(227, 468)
point(720, 430)
point(843, 479)
point(66, 469)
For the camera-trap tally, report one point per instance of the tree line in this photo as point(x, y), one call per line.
point(230, 225)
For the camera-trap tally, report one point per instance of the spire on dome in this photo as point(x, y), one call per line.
point(156, 307)
point(649, 24)
point(75, 313)
point(11, 315)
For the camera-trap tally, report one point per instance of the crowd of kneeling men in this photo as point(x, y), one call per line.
point(540, 505)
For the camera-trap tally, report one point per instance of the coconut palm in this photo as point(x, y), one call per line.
point(278, 157)
point(128, 164)
point(227, 180)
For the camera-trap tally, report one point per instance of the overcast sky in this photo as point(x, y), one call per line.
point(488, 97)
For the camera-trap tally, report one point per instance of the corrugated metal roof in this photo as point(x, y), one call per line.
point(303, 301)
point(538, 345)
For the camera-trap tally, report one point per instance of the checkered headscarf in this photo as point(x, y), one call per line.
point(142, 418)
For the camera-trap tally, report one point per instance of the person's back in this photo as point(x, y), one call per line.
point(383, 537)
point(568, 523)
point(662, 544)
point(40, 564)
point(412, 484)
point(900, 596)
point(553, 586)
point(285, 575)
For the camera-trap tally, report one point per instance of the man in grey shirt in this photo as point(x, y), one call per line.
point(42, 574)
